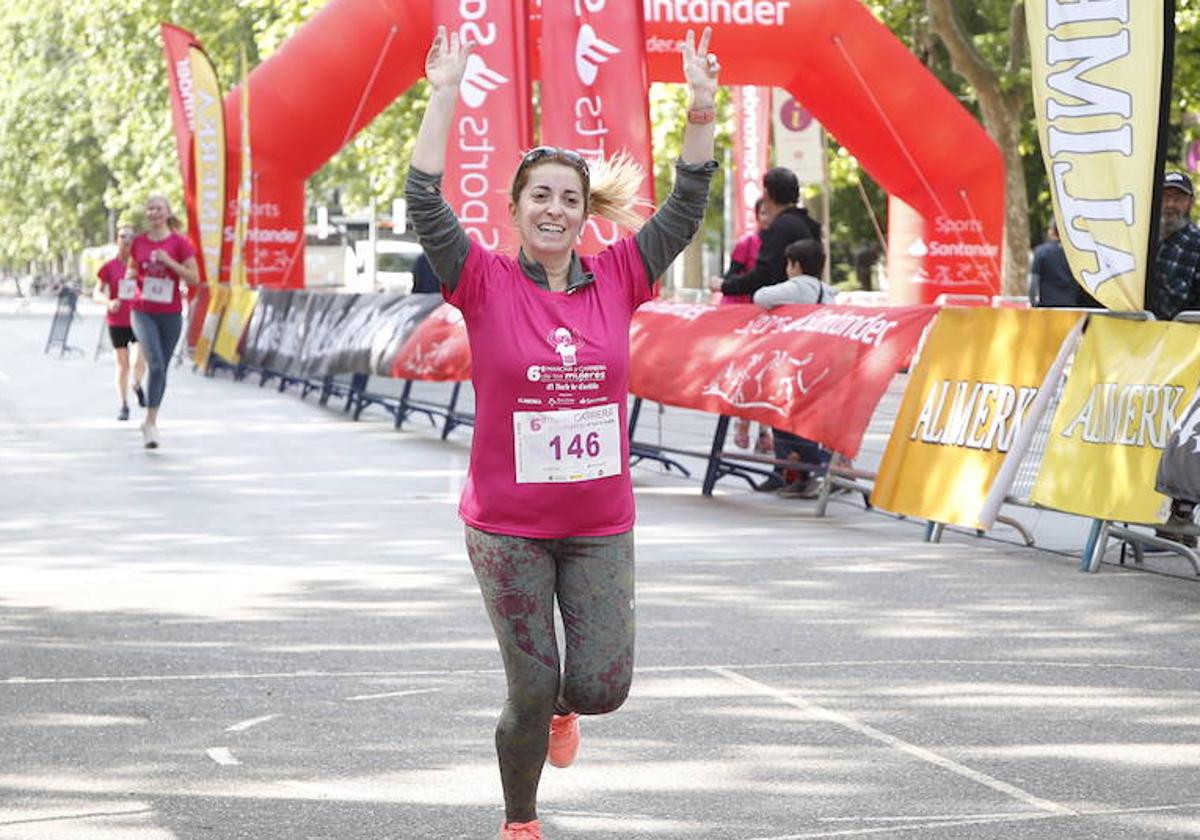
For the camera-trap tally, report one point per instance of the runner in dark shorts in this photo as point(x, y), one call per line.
point(114, 294)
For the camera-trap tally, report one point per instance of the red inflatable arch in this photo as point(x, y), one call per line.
point(356, 56)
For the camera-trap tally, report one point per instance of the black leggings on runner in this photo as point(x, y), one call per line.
point(592, 578)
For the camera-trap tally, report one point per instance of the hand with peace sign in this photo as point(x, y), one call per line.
point(700, 69)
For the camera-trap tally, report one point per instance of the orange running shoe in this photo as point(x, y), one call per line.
point(564, 739)
point(521, 831)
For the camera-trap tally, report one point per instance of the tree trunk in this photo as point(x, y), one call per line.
point(1003, 113)
point(1006, 131)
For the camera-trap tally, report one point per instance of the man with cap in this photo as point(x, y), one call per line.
point(1176, 284)
point(1176, 288)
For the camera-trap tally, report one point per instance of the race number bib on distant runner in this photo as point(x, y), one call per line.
point(570, 445)
point(158, 289)
point(126, 288)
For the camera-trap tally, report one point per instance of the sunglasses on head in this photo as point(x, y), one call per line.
point(557, 153)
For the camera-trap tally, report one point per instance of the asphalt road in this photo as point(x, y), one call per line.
point(268, 629)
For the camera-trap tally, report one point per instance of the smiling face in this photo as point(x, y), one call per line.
point(157, 212)
point(550, 211)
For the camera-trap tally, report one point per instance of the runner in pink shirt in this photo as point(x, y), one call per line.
point(160, 259)
point(115, 293)
point(548, 502)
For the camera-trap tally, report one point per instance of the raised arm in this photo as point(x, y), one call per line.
point(700, 69)
point(670, 229)
point(441, 236)
point(444, 67)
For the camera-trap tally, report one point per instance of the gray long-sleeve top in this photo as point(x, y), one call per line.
point(660, 240)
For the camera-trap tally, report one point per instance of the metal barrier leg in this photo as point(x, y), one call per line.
point(402, 408)
point(714, 456)
point(823, 497)
point(1093, 553)
point(450, 409)
point(635, 412)
point(358, 384)
point(1020, 528)
point(934, 531)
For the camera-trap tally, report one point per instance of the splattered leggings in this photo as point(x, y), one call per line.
point(592, 577)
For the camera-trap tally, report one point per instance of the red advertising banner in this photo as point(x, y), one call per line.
point(176, 44)
point(177, 47)
point(437, 350)
point(817, 371)
point(491, 124)
point(594, 100)
point(751, 151)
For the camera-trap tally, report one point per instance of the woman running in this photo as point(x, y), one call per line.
point(115, 293)
point(548, 502)
point(159, 259)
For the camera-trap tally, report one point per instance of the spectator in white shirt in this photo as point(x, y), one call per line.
point(805, 262)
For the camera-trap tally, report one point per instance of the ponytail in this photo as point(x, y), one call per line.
point(615, 183)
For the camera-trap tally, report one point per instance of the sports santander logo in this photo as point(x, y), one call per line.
point(590, 52)
point(478, 81)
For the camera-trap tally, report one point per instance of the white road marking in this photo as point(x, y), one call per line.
point(895, 743)
point(246, 724)
point(394, 694)
point(924, 818)
point(893, 829)
point(222, 756)
point(89, 815)
point(660, 669)
point(981, 819)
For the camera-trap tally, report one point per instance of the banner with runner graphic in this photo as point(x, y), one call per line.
point(818, 371)
point(492, 124)
point(1127, 390)
point(967, 398)
point(1101, 82)
point(437, 350)
point(395, 327)
point(326, 333)
point(594, 99)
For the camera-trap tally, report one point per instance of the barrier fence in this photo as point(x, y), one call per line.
point(1056, 410)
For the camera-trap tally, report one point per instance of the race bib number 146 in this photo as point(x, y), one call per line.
point(570, 445)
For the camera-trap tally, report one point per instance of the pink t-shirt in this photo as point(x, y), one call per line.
point(745, 251)
point(151, 275)
point(111, 274)
point(550, 453)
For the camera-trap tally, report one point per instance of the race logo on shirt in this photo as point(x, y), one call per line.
point(566, 345)
point(568, 381)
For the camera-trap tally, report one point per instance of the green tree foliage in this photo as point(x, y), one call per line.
point(85, 125)
point(85, 122)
